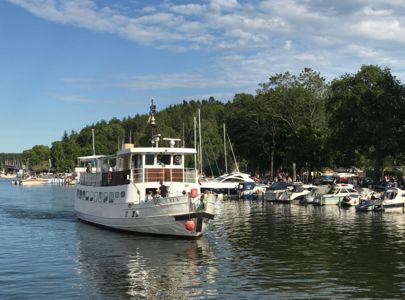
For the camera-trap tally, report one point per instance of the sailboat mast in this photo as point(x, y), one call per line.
point(92, 134)
point(233, 154)
point(226, 162)
point(200, 141)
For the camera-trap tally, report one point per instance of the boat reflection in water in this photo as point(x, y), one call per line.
point(120, 265)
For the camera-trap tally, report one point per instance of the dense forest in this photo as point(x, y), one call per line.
point(354, 120)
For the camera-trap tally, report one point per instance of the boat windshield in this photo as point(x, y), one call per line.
point(390, 194)
point(278, 185)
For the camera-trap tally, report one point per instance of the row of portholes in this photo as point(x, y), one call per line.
point(106, 197)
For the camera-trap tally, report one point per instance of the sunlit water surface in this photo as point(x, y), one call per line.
point(252, 250)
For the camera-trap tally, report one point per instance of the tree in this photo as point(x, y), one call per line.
point(37, 157)
point(367, 112)
point(295, 106)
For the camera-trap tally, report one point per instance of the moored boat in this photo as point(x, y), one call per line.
point(226, 184)
point(29, 181)
point(393, 200)
point(275, 190)
point(296, 193)
point(337, 195)
point(150, 190)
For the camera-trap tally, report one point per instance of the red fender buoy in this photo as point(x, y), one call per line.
point(194, 193)
point(190, 225)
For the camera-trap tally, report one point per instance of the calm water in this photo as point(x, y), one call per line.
point(252, 250)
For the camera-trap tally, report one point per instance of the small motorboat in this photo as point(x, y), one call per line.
point(340, 193)
point(369, 205)
point(297, 192)
point(275, 190)
point(250, 191)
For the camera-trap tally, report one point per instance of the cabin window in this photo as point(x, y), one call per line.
point(111, 198)
point(177, 160)
point(122, 194)
point(117, 195)
point(163, 159)
point(105, 197)
point(137, 161)
point(100, 196)
point(149, 159)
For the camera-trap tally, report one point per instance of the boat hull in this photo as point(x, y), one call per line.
point(168, 225)
point(174, 216)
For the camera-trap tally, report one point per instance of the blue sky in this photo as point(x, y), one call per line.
point(67, 64)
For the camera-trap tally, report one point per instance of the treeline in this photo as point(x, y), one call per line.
point(10, 159)
point(355, 120)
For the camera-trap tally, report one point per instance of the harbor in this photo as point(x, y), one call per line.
point(217, 149)
point(251, 249)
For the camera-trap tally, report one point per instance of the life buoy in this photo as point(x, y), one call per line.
point(109, 177)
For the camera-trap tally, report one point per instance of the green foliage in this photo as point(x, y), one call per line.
point(367, 112)
point(295, 106)
point(37, 158)
point(356, 120)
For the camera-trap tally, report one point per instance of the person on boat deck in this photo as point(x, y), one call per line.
point(149, 196)
point(88, 168)
point(163, 189)
point(205, 197)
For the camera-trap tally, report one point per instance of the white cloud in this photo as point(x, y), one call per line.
point(250, 40)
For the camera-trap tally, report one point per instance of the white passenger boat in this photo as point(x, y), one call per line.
point(118, 198)
point(337, 195)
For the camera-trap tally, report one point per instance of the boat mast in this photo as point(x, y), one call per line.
point(195, 142)
point(152, 123)
point(199, 134)
point(92, 134)
point(226, 162)
point(233, 154)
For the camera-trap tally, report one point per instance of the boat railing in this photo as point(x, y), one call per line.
point(200, 203)
point(92, 179)
point(141, 175)
point(203, 202)
point(105, 179)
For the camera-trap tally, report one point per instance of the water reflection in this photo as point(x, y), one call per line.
point(252, 250)
point(121, 265)
point(297, 251)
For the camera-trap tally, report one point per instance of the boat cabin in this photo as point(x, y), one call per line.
point(138, 165)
